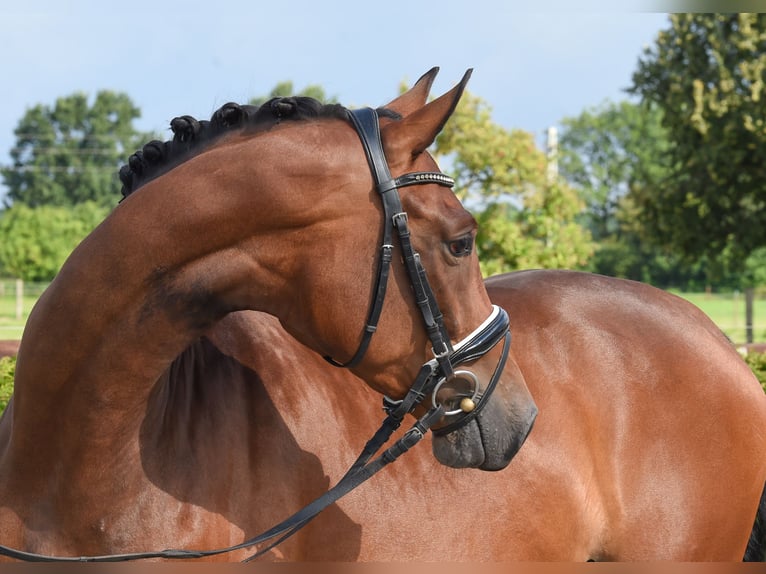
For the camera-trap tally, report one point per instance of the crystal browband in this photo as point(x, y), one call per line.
point(421, 177)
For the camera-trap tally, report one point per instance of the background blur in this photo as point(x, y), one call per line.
point(625, 142)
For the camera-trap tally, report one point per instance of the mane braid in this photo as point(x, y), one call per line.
point(191, 136)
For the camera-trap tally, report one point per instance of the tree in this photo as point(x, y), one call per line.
point(34, 242)
point(604, 153)
point(543, 233)
point(606, 150)
point(71, 152)
point(285, 88)
point(706, 74)
point(525, 220)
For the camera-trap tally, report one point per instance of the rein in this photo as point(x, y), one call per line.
point(432, 375)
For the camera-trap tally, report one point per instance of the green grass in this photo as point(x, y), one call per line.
point(11, 327)
point(727, 310)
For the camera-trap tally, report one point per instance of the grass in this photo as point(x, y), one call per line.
point(727, 310)
point(12, 327)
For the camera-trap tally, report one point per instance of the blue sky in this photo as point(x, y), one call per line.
point(534, 65)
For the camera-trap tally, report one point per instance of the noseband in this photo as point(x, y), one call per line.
point(436, 374)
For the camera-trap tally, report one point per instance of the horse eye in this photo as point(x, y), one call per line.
point(461, 247)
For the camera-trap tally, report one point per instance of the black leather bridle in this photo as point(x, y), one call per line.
point(435, 373)
point(441, 369)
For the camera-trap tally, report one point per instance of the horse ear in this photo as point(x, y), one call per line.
point(406, 139)
point(414, 98)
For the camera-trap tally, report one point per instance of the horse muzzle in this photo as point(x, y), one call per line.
point(477, 432)
point(490, 440)
point(461, 394)
point(473, 431)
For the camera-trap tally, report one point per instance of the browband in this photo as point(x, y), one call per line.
point(424, 177)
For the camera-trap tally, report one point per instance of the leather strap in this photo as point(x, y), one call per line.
point(365, 120)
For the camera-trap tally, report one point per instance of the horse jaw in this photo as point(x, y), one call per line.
point(489, 442)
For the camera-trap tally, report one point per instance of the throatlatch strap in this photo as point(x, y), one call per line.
point(366, 123)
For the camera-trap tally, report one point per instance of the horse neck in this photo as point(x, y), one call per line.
point(309, 395)
point(166, 264)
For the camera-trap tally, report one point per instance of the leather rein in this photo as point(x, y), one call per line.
point(432, 376)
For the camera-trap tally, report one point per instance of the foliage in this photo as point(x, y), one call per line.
point(34, 242)
point(70, 153)
point(604, 153)
point(525, 219)
point(285, 88)
point(706, 74)
point(7, 370)
point(542, 234)
point(606, 150)
point(755, 268)
point(757, 362)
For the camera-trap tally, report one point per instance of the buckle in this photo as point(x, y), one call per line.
point(390, 405)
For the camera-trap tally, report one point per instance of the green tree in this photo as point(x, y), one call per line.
point(286, 88)
point(606, 150)
point(71, 152)
point(35, 242)
point(7, 371)
point(525, 219)
point(542, 233)
point(706, 74)
point(755, 269)
point(604, 153)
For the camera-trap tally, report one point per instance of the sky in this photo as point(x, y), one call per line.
point(533, 65)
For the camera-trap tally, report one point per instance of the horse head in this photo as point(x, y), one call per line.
point(319, 210)
point(443, 234)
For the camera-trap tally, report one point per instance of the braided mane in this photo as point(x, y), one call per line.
point(192, 136)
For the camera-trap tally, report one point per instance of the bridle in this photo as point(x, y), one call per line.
point(432, 377)
point(440, 370)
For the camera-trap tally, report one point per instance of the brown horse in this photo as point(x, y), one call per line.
point(647, 446)
point(129, 432)
point(290, 211)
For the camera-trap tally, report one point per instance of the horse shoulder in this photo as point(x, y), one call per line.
point(638, 390)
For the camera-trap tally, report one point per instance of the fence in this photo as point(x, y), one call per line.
point(727, 310)
point(16, 301)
